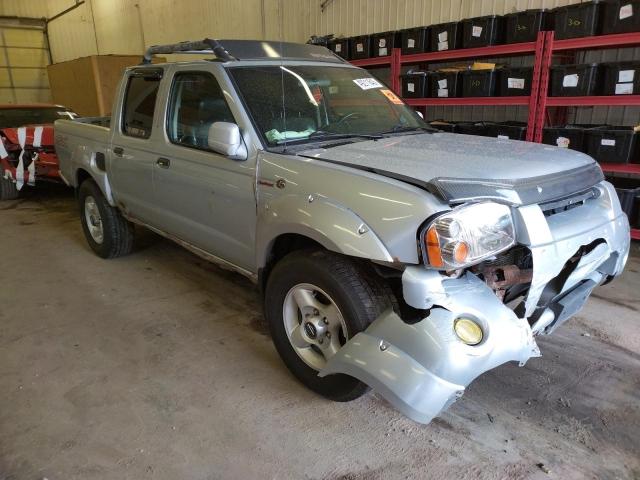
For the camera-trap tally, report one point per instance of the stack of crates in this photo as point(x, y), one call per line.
point(629, 196)
point(605, 143)
point(610, 78)
point(593, 17)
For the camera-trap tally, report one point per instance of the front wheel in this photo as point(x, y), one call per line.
point(108, 233)
point(315, 301)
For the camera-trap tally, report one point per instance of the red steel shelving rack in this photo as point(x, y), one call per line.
point(396, 60)
point(539, 101)
point(545, 101)
point(529, 48)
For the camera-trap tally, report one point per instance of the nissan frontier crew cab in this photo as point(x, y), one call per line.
point(389, 255)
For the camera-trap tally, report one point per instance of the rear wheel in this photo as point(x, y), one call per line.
point(108, 233)
point(8, 189)
point(315, 301)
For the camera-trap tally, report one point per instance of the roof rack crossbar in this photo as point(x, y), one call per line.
point(189, 47)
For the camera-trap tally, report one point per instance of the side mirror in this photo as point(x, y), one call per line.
point(225, 138)
point(420, 114)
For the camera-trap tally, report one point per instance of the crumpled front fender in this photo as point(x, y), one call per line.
point(422, 368)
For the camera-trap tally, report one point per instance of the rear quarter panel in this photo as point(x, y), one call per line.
point(77, 144)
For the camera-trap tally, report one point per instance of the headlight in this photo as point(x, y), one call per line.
point(468, 234)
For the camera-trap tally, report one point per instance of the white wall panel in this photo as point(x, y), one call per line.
point(23, 61)
point(23, 8)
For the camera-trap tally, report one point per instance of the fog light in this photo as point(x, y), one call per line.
point(468, 331)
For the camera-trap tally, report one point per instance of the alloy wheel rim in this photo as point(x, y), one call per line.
point(314, 324)
point(93, 219)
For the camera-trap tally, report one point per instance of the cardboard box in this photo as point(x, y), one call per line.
point(88, 85)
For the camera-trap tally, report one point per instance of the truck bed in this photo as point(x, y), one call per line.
point(77, 143)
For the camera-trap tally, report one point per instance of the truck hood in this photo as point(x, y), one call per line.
point(465, 167)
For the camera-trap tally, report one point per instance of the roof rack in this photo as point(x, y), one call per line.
point(200, 46)
point(247, 50)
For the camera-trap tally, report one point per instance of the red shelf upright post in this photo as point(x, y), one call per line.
point(395, 71)
point(543, 90)
point(535, 85)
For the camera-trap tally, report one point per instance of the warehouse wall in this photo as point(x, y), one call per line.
point(353, 17)
point(126, 26)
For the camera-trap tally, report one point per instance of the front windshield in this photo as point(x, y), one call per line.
point(300, 103)
point(20, 116)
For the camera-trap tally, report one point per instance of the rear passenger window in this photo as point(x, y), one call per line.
point(139, 104)
point(197, 102)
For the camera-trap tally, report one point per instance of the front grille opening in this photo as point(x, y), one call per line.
point(569, 203)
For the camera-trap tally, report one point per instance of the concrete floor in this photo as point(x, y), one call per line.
point(158, 366)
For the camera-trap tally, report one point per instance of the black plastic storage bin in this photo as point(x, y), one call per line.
point(621, 78)
point(613, 144)
point(414, 85)
point(627, 197)
point(578, 20)
point(482, 31)
point(634, 219)
point(414, 40)
point(508, 130)
point(569, 136)
point(621, 16)
point(360, 47)
point(575, 80)
point(444, 85)
point(515, 81)
point(445, 36)
point(473, 128)
point(479, 83)
point(524, 26)
point(383, 43)
point(339, 46)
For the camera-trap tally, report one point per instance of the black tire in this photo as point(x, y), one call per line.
point(359, 295)
point(117, 231)
point(8, 189)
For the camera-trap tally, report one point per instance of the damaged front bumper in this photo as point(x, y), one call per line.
point(421, 368)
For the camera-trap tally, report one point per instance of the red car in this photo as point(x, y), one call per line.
point(26, 146)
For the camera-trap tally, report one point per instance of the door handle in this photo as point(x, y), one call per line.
point(163, 162)
point(118, 151)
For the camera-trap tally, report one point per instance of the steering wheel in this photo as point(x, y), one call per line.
point(345, 119)
point(189, 139)
point(347, 116)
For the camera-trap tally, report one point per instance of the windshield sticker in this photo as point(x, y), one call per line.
point(367, 83)
point(391, 96)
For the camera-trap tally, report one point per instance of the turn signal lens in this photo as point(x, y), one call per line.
point(461, 252)
point(468, 331)
point(433, 248)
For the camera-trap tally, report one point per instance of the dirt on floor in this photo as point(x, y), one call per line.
point(158, 366)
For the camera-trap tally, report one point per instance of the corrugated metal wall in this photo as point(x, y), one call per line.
point(23, 62)
point(125, 26)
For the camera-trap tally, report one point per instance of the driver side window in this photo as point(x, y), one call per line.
point(197, 102)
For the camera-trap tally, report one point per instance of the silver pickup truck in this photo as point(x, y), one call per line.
point(389, 255)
